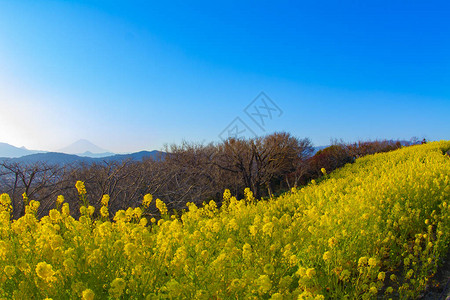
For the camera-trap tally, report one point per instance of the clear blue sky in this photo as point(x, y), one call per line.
point(133, 75)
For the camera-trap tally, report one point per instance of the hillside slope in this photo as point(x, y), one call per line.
point(375, 228)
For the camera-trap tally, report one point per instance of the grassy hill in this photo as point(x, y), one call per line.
point(375, 228)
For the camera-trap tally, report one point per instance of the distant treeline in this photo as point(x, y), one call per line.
point(189, 172)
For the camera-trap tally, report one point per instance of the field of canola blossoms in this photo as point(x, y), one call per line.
point(375, 228)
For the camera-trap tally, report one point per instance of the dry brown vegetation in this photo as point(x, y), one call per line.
point(189, 172)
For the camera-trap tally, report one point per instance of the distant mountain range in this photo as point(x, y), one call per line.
point(7, 150)
point(86, 152)
point(56, 158)
point(81, 151)
point(85, 148)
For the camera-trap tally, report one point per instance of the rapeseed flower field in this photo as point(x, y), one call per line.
point(375, 228)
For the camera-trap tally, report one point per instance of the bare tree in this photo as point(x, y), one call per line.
point(263, 160)
point(38, 180)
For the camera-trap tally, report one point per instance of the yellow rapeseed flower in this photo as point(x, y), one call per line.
point(45, 271)
point(83, 210)
point(80, 187)
point(310, 272)
point(54, 215)
point(88, 294)
point(65, 209)
point(25, 198)
point(327, 256)
point(117, 287)
point(226, 194)
point(248, 195)
point(264, 283)
point(90, 210)
point(104, 211)
point(10, 271)
point(269, 269)
point(161, 206)
point(362, 261)
point(5, 202)
point(105, 200)
point(147, 200)
point(143, 222)
point(60, 199)
point(69, 266)
point(332, 242)
point(130, 249)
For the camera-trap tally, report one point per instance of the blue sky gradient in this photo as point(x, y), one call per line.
point(134, 75)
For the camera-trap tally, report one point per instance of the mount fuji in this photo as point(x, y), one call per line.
point(85, 148)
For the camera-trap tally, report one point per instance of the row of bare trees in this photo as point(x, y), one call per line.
point(188, 172)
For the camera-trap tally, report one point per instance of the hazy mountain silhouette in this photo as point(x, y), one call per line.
point(86, 149)
point(95, 155)
point(81, 151)
point(57, 158)
point(7, 150)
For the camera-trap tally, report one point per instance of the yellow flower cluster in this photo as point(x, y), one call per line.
point(161, 206)
point(379, 225)
point(147, 200)
point(105, 200)
point(80, 187)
